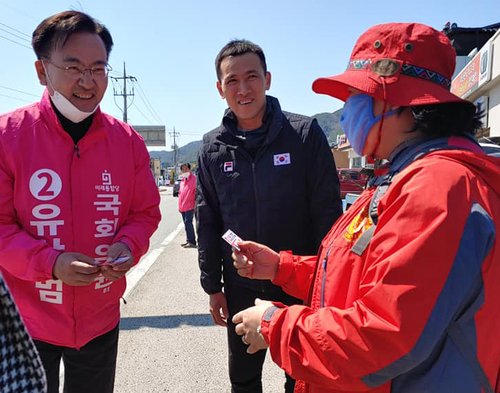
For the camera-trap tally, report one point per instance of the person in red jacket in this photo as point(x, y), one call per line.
point(187, 196)
point(78, 204)
point(403, 294)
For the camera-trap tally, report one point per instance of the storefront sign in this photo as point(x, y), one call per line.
point(475, 74)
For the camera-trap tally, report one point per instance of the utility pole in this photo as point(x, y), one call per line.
point(124, 93)
point(174, 134)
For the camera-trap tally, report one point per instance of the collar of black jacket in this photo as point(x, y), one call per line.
point(272, 122)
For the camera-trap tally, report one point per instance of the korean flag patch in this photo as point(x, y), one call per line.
point(282, 159)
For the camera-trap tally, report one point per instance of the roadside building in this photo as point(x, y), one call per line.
point(354, 160)
point(477, 75)
point(341, 157)
point(155, 165)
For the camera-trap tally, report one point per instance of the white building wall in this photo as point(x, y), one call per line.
point(494, 110)
point(495, 68)
point(491, 89)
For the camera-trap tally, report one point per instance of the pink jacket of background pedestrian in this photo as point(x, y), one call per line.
point(57, 197)
point(187, 193)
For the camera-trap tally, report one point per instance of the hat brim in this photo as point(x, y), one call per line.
point(405, 91)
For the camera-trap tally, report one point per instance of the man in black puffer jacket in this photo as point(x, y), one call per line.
point(267, 175)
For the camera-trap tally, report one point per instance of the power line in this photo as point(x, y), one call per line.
point(174, 134)
point(19, 91)
point(116, 73)
point(143, 97)
point(15, 42)
point(23, 36)
point(17, 31)
point(141, 90)
point(15, 35)
point(14, 98)
point(141, 94)
point(137, 108)
point(114, 97)
point(29, 16)
point(124, 93)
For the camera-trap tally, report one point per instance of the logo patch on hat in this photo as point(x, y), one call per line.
point(385, 67)
point(282, 159)
point(228, 166)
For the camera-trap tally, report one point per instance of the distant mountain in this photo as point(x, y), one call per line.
point(329, 122)
point(187, 153)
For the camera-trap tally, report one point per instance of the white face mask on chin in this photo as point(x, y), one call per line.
point(63, 105)
point(68, 110)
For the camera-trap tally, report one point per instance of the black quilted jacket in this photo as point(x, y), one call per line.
point(287, 197)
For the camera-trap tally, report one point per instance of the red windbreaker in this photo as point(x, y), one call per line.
point(386, 321)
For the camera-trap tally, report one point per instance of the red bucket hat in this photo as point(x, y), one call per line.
point(405, 64)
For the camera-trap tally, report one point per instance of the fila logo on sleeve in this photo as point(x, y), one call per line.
point(228, 166)
point(282, 159)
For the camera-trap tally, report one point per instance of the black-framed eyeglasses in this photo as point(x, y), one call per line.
point(76, 72)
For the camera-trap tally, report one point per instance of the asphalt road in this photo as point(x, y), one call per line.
point(168, 342)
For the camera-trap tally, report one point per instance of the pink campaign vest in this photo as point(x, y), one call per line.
point(57, 197)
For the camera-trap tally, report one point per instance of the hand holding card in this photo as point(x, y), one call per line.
point(232, 238)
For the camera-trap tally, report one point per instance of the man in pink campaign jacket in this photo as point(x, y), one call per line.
point(78, 205)
point(187, 194)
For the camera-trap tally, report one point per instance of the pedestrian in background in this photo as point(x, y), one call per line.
point(403, 295)
point(78, 204)
point(187, 195)
point(267, 175)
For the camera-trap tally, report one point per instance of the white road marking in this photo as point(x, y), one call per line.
point(135, 275)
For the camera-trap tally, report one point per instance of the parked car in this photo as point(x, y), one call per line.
point(176, 187)
point(491, 148)
point(349, 200)
point(353, 180)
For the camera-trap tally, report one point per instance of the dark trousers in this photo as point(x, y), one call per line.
point(187, 217)
point(89, 369)
point(245, 371)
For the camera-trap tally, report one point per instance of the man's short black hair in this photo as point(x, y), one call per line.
point(54, 31)
point(238, 48)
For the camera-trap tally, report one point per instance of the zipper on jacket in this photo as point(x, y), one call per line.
point(323, 280)
point(257, 216)
point(77, 151)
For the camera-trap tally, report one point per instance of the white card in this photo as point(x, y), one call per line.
point(119, 260)
point(232, 238)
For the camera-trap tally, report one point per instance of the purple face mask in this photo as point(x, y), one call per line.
point(357, 119)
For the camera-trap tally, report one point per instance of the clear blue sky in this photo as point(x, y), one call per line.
point(170, 46)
